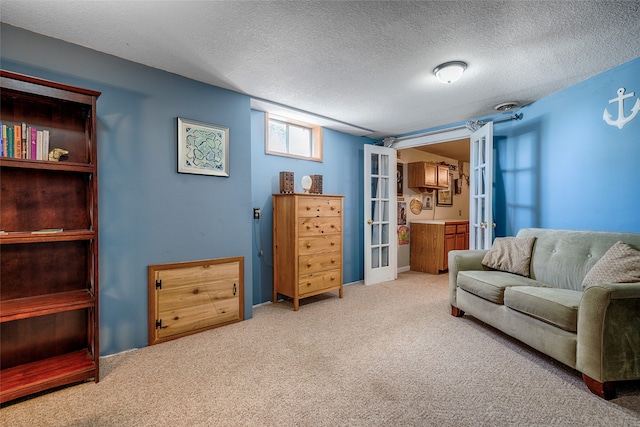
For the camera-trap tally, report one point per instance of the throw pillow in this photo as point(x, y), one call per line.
point(510, 254)
point(620, 264)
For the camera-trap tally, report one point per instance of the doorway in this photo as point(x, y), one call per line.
point(451, 147)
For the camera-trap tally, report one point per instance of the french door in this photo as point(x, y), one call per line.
point(481, 223)
point(380, 212)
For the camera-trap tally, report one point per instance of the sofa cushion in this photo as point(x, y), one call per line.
point(558, 307)
point(620, 264)
point(510, 254)
point(490, 285)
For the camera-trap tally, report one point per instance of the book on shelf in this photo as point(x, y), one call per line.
point(21, 141)
point(17, 141)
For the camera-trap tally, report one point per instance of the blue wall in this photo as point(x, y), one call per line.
point(342, 173)
point(149, 213)
point(563, 166)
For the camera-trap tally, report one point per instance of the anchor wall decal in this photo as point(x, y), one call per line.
point(621, 120)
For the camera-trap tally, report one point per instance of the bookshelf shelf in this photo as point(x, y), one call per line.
point(47, 373)
point(42, 164)
point(49, 240)
point(42, 305)
point(34, 237)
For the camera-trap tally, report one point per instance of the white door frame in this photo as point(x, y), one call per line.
point(481, 223)
point(380, 215)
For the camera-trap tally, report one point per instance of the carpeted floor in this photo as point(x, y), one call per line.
point(384, 355)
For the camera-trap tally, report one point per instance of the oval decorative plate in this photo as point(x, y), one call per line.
point(415, 206)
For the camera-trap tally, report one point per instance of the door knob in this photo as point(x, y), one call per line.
point(370, 222)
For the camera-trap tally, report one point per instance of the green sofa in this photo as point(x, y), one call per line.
point(595, 330)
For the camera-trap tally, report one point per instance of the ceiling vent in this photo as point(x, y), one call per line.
point(507, 106)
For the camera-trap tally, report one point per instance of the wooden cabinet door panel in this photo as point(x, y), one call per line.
point(189, 297)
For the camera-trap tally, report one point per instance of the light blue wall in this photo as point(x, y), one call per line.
point(342, 173)
point(149, 213)
point(563, 166)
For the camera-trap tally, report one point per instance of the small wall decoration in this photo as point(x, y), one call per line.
point(202, 148)
point(402, 213)
point(403, 235)
point(445, 197)
point(427, 201)
point(415, 206)
point(400, 178)
point(621, 120)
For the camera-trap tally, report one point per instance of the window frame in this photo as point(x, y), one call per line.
point(316, 138)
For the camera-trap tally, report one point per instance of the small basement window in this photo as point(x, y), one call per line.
point(292, 138)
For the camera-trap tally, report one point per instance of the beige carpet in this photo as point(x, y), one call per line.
point(385, 355)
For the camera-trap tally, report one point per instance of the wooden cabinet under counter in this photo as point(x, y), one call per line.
point(431, 242)
point(307, 245)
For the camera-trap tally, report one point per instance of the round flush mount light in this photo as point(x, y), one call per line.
point(451, 71)
point(507, 106)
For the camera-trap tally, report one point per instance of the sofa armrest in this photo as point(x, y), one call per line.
point(461, 260)
point(608, 347)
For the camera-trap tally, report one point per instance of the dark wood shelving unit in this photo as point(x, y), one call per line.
point(49, 292)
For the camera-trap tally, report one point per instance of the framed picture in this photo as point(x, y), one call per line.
point(402, 213)
point(400, 178)
point(445, 197)
point(427, 201)
point(202, 148)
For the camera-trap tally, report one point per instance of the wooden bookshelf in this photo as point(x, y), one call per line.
point(49, 299)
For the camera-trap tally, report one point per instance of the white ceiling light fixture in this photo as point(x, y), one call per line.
point(449, 72)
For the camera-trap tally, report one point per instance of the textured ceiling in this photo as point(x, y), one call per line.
point(367, 64)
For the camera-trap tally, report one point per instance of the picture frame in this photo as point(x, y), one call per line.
point(445, 197)
point(203, 148)
point(427, 201)
point(400, 179)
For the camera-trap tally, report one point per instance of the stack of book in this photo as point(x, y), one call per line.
point(24, 142)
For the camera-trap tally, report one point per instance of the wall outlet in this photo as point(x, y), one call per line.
point(256, 213)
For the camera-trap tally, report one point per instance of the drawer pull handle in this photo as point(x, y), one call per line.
point(333, 208)
point(333, 278)
point(309, 264)
point(308, 245)
point(308, 226)
point(308, 208)
point(308, 283)
point(333, 243)
point(333, 261)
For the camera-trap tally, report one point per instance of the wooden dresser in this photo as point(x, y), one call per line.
point(431, 242)
point(307, 245)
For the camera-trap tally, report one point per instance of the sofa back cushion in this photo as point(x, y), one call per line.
point(562, 258)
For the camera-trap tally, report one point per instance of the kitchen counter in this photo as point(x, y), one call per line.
point(440, 221)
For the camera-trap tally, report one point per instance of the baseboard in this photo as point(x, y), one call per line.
point(404, 269)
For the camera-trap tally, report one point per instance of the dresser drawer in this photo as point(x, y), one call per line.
point(319, 206)
point(315, 226)
point(318, 281)
point(461, 228)
point(319, 244)
point(321, 262)
point(449, 229)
